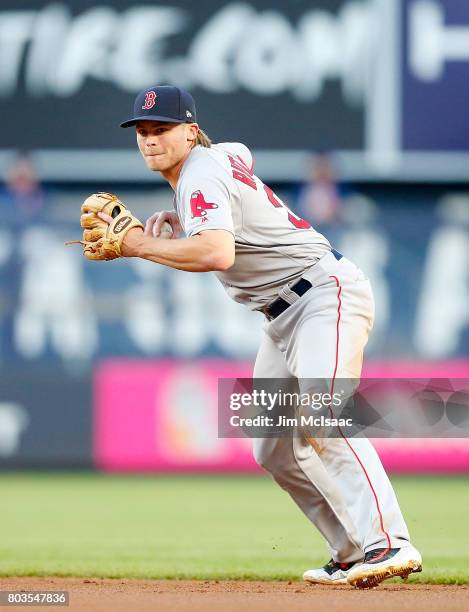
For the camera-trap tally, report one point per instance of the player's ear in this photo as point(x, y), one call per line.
point(193, 130)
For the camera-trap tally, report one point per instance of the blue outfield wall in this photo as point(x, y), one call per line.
point(60, 315)
point(412, 241)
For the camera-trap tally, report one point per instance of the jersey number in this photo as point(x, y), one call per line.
point(241, 172)
point(294, 219)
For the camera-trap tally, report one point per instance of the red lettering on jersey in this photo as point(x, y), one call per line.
point(150, 100)
point(244, 164)
point(298, 222)
point(241, 172)
point(244, 178)
point(272, 197)
point(239, 164)
point(294, 219)
point(199, 206)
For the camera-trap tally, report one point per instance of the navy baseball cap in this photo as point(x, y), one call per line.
point(163, 103)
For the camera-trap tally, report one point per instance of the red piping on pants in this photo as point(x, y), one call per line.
point(381, 522)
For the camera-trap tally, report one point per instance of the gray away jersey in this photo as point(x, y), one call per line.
point(218, 190)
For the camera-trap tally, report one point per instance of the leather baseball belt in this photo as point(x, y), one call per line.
point(275, 308)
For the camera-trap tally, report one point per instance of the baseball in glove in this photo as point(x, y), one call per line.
point(103, 241)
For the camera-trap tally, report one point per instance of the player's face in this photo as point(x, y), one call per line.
point(164, 145)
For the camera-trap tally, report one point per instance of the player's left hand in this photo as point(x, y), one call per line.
point(106, 224)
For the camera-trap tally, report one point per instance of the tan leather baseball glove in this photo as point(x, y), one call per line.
point(100, 240)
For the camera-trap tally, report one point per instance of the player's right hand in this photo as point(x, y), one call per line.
point(154, 223)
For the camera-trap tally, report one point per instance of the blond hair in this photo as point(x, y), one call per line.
point(202, 140)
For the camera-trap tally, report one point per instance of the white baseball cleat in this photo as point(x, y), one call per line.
point(332, 573)
point(383, 563)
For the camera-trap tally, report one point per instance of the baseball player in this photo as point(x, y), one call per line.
point(318, 309)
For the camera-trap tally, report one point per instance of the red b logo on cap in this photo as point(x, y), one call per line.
point(150, 100)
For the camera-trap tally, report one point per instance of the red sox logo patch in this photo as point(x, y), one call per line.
point(150, 100)
point(199, 206)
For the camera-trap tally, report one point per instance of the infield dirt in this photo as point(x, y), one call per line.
point(93, 595)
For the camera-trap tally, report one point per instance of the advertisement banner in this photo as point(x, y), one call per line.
point(74, 68)
point(435, 82)
point(381, 82)
point(162, 416)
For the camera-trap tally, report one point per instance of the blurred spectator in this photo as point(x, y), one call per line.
point(22, 192)
point(320, 200)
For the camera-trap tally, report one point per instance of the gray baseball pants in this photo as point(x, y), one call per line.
point(339, 483)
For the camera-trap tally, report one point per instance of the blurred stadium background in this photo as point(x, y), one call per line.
point(356, 111)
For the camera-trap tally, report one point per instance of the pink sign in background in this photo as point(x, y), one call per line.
point(162, 416)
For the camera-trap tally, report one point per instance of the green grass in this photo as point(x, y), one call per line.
point(200, 527)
